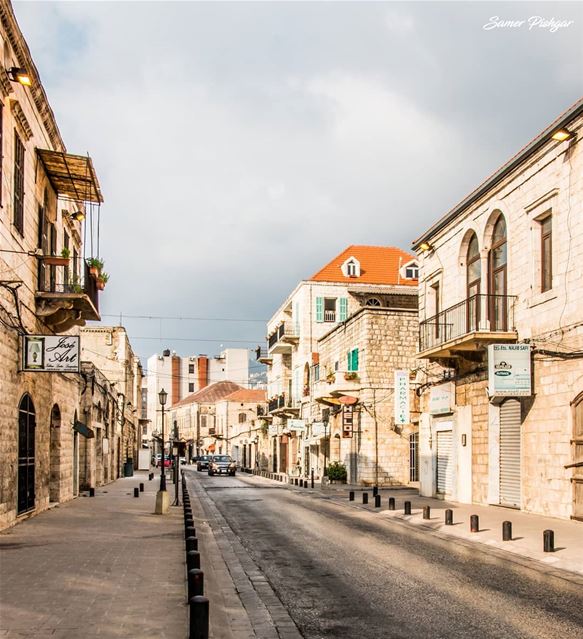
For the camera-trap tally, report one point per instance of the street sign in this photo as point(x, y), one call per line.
point(50, 353)
point(296, 424)
point(401, 397)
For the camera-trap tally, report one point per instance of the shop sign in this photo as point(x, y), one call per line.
point(318, 429)
point(509, 372)
point(440, 399)
point(296, 424)
point(273, 430)
point(401, 397)
point(50, 353)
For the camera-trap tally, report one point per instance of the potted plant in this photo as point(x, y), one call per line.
point(102, 280)
point(336, 472)
point(75, 285)
point(330, 377)
point(351, 376)
point(95, 266)
point(58, 260)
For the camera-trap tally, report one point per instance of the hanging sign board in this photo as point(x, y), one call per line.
point(50, 353)
point(401, 397)
point(440, 399)
point(273, 430)
point(296, 424)
point(317, 429)
point(509, 370)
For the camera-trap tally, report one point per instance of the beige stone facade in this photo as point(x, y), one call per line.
point(519, 239)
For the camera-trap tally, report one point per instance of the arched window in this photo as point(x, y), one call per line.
point(373, 301)
point(497, 276)
point(473, 277)
point(26, 454)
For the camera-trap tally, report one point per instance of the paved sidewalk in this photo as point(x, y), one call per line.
point(102, 567)
point(527, 530)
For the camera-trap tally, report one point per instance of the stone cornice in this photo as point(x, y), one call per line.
point(22, 52)
point(5, 86)
point(20, 118)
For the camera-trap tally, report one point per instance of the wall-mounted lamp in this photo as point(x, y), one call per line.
point(78, 216)
point(425, 247)
point(17, 74)
point(560, 135)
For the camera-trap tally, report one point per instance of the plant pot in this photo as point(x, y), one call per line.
point(55, 260)
point(94, 272)
point(100, 285)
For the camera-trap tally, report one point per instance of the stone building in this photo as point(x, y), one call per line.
point(45, 287)
point(360, 276)
point(109, 349)
point(501, 284)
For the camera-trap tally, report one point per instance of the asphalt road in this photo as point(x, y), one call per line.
point(345, 573)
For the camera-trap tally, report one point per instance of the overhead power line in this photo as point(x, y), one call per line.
point(181, 318)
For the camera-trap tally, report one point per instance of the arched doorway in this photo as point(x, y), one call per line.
point(577, 463)
point(26, 454)
point(55, 455)
point(75, 459)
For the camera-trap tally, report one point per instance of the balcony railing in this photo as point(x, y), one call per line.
point(262, 355)
point(476, 314)
point(279, 402)
point(70, 279)
point(329, 316)
point(283, 333)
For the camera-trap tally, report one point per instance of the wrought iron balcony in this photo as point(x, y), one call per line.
point(469, 325)
point(282, 339)
point(263, 356)
point(66, 294)
point(281, 404)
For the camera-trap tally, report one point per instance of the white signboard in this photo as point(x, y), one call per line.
point(509, 370)
point(296, 424)
point(318, 429)
point(51, 353)
point(273, 430)
point(441, 399)
point(401, 397)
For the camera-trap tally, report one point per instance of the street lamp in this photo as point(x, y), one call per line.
point(162, 501)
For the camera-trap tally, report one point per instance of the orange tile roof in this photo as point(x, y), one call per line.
point(210, 394)
point(247, 395)
point(378, 265)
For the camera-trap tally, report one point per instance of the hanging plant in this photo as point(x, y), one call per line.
point(102, 280)
point(95, 266)
point(57, 260)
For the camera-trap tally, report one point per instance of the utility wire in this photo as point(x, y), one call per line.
point(181, 318)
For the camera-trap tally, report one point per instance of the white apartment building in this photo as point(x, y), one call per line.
point(501, 325)
point(359, 276)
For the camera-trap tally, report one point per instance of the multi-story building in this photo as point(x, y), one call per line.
point(109, 349)
point(182, 376)
point(501, 327)
point(342, 332)
point(45, 288)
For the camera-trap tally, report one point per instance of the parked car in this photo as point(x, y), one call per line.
point(222, 465)
point(203, 462)
point(167, 461)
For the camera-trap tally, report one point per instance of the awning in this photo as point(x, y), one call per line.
point(72, 176)
point(84, 430)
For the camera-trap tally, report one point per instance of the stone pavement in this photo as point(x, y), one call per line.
point(526, 546)
point(96, 567)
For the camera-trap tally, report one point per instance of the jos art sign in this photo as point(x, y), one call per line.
point(50, 353)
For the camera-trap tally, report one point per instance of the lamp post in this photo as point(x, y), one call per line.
point(162, 501)
point(325, 474)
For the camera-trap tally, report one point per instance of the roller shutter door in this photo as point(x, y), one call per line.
point(444, 462)
point(510, 453)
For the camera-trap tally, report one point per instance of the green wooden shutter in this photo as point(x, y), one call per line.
point(342, 309)
point(319, 309)
point(349, 361)
point(355, 359)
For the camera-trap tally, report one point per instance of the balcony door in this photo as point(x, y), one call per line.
point(473, 278)
point(26, 455)
point(497, 277)
point(577, 447)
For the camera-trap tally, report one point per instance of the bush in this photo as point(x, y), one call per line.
point(336, 471)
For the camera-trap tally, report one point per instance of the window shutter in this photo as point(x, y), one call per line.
point(342, 309)
point(355, 359)
point(319, 309)
point(349, 361)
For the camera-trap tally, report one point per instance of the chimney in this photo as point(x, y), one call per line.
point(203, 371)
point(176, 395)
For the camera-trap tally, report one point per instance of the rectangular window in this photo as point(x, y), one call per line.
point(330, 309)
point(18, 184)
point(191, 369)
point(437, 303)
point(546, 237)
point(316, 372)
point(353, 360)
point(191, 388)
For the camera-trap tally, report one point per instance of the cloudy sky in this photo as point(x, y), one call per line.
point(240, 146)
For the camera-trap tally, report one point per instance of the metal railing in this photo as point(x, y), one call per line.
point(285, 329)
point(281, 401)
point(329, 316)
point(68, 279)
point(261, 353)
point(490, 313)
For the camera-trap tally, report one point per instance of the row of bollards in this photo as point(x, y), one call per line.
point(198, 604)
point(548, 535)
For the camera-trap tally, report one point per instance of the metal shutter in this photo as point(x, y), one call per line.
point(510, 453)
point(444, 463)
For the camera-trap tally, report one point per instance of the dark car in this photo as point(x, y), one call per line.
point(222, 465)
point(203, 462)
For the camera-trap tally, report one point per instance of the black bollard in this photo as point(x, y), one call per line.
point(189, 523)
point(136, 492)
point(190, 531)
point(191, 543)
point(150, 476)
point(474, 523)
point(351, 496)
point(365, 498)
point(426, 512)
point(377, 501)
point(375, 491)
point(391, 503)
point(449, 517)
point(92, 492)
point(192, 560)
point(141, 487)
point(312, 477)
point(506, 531)
point(549, 541)
point(195, 582)
point(199, 618)
point(407, 508)
point(295, 481)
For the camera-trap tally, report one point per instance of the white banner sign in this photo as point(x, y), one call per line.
point(401, 397)
point(51, 353)
point(318, 429)
point(296, 424)
point(509, 370)
point(273, 430)
point(441, 399)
